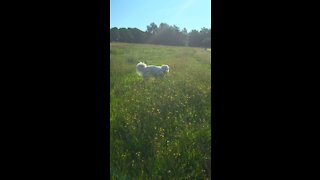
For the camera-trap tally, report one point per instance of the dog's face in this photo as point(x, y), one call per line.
point(141, 66)
point(165, 68)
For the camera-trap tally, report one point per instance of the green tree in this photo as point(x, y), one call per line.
point(194, 38)
point(152, 29)
point(163, 34)
point(114, 34)
point(205, 34)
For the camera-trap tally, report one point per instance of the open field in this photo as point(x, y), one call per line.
point(160, 128)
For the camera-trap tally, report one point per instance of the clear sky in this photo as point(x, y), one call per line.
point(189, 14)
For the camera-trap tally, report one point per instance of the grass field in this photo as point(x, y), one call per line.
point(160, 128)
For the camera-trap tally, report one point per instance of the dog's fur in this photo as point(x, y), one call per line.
point(150, 70)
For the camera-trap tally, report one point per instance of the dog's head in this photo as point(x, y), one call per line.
point(141, 66)
point(165, 68)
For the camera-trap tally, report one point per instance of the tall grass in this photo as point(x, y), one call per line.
point(160, 128)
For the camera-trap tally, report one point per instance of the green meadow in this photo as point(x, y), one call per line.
point(160, 128)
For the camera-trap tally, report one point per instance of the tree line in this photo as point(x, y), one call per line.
point(163, 34)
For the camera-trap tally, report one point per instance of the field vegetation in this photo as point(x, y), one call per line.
point(160, 128)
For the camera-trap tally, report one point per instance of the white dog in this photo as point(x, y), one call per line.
point(156, 71)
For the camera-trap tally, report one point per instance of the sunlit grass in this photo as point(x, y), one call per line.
point(160, 128)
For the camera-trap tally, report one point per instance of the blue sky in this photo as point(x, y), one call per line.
point(189, 14)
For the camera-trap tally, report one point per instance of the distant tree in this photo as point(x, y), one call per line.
point(138, 35)
point(205, 37)
point(184, 31)
point(194, 38)
point(125, 35)
point(185, 36)
point(200, 39)
point(206, 42)
point(177, 36)
point(114, 34)
point(162, 34)
point(152, 29)
point(163, 26)
point(168, 35)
